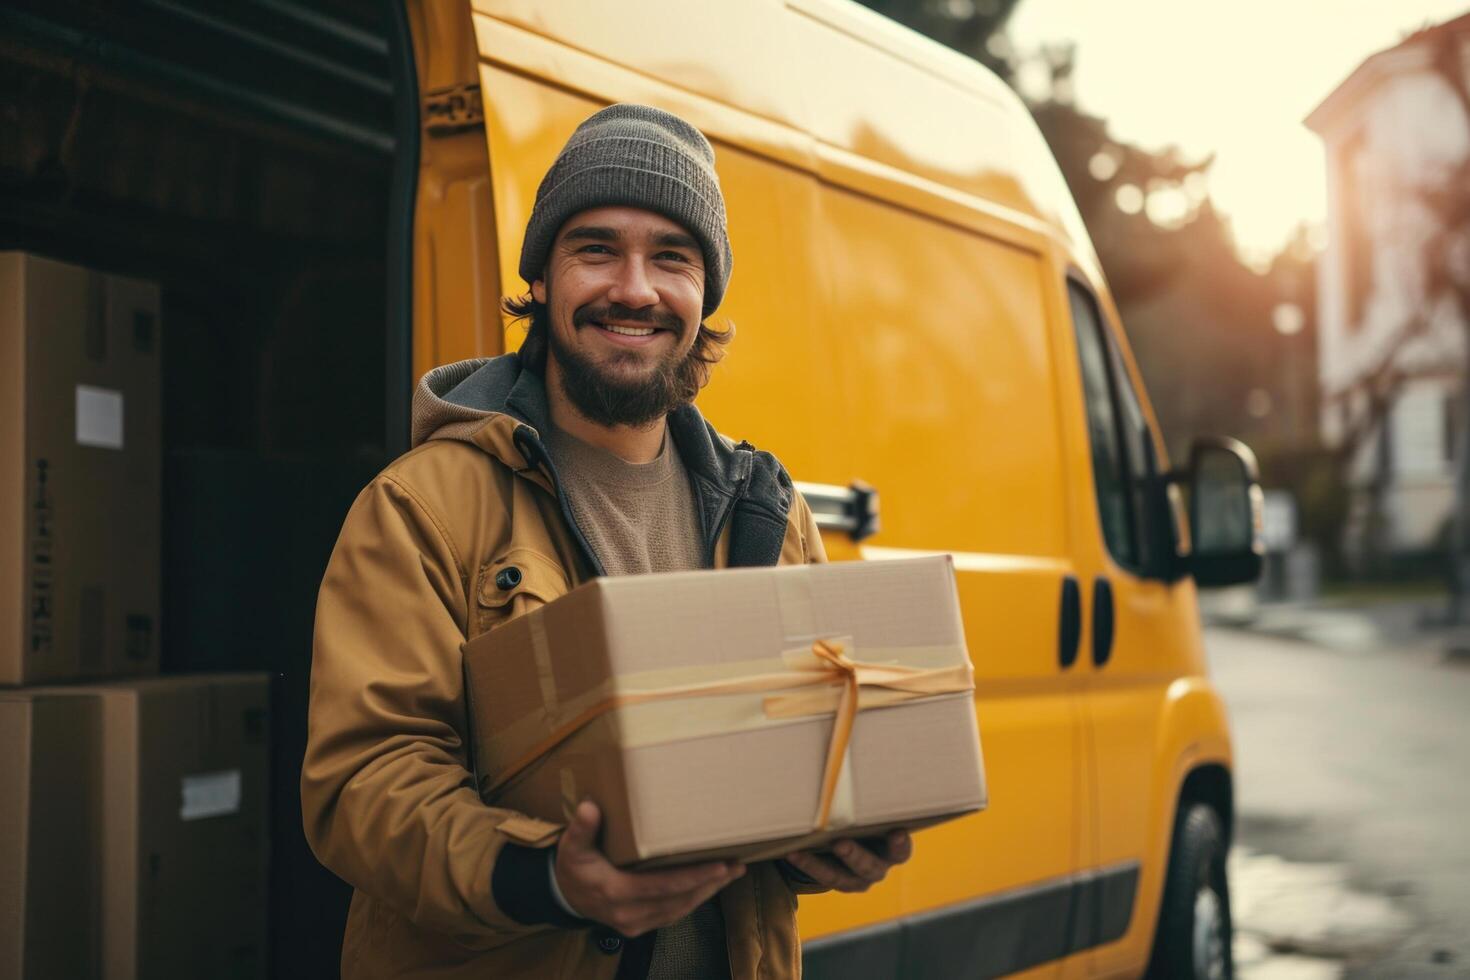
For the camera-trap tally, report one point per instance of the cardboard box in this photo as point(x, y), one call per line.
point(184, 777)
point(49, 846)
point(709, 718)
point(79, 472)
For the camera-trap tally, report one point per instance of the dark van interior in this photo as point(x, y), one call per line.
point(241, 155)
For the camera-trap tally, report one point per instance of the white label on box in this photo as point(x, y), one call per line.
point(210, 794)
point(99, 417)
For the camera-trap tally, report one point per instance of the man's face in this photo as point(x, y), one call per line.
point(624, 290)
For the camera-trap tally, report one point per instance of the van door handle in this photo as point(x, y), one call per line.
point(1102, 620)
point(1069, 635)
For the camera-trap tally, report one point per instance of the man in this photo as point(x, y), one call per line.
point(581, 456)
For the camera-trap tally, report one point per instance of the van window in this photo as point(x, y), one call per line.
point(1137, 521)
point(1104, 429)
point(1138, 453)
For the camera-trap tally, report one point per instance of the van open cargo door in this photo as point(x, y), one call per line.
point(455, 282)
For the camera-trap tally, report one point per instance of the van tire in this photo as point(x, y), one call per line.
point(1194, 934)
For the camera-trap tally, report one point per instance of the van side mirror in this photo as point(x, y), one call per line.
point(1225, 513)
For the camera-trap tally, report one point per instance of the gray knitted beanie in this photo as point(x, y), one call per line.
point(635, 156)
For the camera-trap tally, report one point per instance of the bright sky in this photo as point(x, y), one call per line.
point(1234, 79)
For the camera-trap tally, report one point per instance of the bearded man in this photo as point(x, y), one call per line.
point(582, 455)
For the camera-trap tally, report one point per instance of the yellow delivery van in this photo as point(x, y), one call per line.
point(922, 324)
point(924, 338)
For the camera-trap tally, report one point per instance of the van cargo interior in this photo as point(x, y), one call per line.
point(242, 157)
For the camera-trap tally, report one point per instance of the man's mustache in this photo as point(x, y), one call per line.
point(625, 314)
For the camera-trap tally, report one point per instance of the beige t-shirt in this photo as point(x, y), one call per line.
point(641, 517)
point(638, 517)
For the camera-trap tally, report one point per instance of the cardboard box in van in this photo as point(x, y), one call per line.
point(79, 472)
point(49, 842)
point(735, 714)
point(184, 768)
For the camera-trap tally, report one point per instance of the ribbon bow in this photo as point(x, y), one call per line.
point(899, 682)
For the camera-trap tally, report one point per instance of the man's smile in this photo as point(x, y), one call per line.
point(627, 331)
point(627, 335)
point(627, 328)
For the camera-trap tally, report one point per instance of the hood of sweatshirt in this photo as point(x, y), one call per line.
point(500, 406)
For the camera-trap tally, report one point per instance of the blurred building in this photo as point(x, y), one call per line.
point(1391, 353)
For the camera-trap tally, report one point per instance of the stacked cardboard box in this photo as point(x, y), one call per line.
point(132, 807)
point(184, 777)
point(50, 851)
point(80, 472)
point(133, 820)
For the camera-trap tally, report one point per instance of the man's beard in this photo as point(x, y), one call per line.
point(636, 402)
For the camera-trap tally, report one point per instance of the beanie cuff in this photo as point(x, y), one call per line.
point(617, 185)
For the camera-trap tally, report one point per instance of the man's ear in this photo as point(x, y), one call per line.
point(538, 291)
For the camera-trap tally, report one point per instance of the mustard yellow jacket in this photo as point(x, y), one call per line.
point(443, 884)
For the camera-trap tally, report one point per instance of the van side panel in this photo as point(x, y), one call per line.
point(953, 418)
point(1193, 733)
point(1137, 714)
point(667, 42)
point(945, 347)
point(894, 98)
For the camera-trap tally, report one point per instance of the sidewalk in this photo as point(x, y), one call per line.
point(1361, 624)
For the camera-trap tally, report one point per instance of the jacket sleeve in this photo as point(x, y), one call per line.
point(814, 552)
point(388, 802)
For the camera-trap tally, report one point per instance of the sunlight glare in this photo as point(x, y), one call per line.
point(1129, 199)
point(1232, 79)
point(1102, 166)
point(1168, 206)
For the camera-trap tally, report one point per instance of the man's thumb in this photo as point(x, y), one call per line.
point(582, 829)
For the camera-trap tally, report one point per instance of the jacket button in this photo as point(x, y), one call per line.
point(609, 943)
point(508, 578)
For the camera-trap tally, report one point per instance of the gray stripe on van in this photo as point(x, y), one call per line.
point(987, 937)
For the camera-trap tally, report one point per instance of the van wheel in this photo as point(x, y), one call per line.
point(1194, 933)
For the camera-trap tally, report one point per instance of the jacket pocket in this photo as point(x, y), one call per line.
point(514, 584)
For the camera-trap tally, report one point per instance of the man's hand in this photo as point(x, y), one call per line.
point(857, 867)
point(632, 902)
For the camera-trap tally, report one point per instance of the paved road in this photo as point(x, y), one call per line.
point(1353, 797)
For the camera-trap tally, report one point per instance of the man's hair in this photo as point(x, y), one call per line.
point(709, 345)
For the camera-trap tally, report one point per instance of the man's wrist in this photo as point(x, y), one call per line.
point(794, 873)
point(524, 888)
point(556, 894)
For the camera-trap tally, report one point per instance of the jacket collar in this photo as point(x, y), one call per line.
point(734, 483)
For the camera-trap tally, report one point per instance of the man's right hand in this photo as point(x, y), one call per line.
point(632, 902)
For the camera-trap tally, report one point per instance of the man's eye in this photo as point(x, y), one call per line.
point(675, 256)
point(595, 250)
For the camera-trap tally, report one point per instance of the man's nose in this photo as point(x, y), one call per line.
point(633, 288)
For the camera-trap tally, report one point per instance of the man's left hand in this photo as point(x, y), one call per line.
point(854, 866)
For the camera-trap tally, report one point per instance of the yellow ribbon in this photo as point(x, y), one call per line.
point(891, 684)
